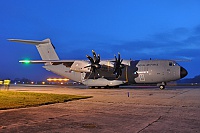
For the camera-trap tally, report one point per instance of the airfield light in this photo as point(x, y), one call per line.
point(43, 83)
point(57, 79)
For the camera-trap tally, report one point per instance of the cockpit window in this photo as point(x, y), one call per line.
point(176, 64)
point(173, 64)
point(170, 63)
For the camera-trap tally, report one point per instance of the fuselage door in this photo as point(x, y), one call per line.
point(141, 76)
point(83, 76)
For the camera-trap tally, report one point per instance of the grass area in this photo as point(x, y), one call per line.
point(14, 99)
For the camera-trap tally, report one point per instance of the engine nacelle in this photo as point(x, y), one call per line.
point(79, 66)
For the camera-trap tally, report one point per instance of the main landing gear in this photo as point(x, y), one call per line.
point(103, 87)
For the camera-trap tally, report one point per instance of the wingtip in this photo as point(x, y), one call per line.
point(12, 39)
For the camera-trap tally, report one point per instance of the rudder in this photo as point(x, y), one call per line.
point(47, 50)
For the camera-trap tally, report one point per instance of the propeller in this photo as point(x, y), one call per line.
point(118, 66)
point(94, 62)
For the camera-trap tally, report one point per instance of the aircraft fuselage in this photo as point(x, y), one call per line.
point(138, 71)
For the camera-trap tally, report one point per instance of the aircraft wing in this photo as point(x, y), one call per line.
point(53, 62)
point(183, 60)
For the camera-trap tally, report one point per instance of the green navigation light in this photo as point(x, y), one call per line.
point(27, 61)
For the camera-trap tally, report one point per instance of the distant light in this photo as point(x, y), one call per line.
point(43, 83)
point(57, 80)
point(32, 82)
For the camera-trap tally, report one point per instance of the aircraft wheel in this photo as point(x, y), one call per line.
point(162, 87)
point(107, 87)
point(117, 86)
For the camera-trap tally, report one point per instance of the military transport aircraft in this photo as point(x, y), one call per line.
point(95, 72)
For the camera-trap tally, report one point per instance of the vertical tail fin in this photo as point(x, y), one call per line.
point(45, 48)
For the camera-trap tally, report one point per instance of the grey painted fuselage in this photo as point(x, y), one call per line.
point(139, 71)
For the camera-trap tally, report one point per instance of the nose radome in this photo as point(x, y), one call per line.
point(183, 72)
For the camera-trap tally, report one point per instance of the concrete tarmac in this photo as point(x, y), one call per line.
point(128, 110)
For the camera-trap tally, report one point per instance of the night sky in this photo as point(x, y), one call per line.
point(138, 29)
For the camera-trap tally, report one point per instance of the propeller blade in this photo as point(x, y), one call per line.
point(115, 57)
point(90, 58)
point(87, 66)
point(118, 66)
point(98, 59)
point(118, 57)
point(120, 72)
point(121, 60)
point(94, 63)
point(94, 55)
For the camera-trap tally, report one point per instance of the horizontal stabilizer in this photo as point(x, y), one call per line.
point(30, 41)
point(44, 47)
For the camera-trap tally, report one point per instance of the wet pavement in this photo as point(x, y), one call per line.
point(130, 110)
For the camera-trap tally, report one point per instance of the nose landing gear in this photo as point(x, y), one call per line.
point(162, 85)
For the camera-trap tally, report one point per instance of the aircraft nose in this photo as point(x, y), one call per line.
point(183, 72)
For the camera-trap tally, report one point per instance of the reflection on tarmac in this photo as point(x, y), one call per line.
point(127, 109)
